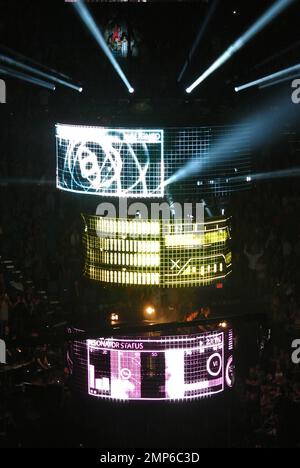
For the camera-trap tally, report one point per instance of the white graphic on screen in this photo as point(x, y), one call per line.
point(166, 369)
point(111, 162)
point(125, 375)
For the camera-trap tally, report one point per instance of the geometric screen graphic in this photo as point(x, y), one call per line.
point(147, 163)
point(165, 368)
point(156, 253)
point(110, 162)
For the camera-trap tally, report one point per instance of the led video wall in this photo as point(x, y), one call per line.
point(162, 368)
point(110, 162)
point(144, 162)
point(156, 253)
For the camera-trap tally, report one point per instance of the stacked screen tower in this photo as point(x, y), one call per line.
point(152, 231)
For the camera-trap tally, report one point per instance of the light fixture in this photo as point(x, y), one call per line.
point(223, 324)
point(149, 310)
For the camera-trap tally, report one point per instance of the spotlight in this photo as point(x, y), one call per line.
point(80, 90)
point(268, 78)
point(223, 324)
point(149, 311)
point(114, 318)
point(260, 24)
point(95, 31)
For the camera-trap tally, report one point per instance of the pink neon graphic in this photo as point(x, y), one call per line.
point(214, 364)
point(229, 372)
point(164, 368)
point(125, 375)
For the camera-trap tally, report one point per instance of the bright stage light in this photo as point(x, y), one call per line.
point(114, 318)
point(149, 311)
point(23, 66)
point(268, 78)
point(223, 324)
point(89, 21)
point(260, 24)
point(24, 77)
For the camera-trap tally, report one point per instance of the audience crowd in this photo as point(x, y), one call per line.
point(267, 251)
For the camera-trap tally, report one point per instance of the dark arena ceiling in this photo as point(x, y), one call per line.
point(51, 33)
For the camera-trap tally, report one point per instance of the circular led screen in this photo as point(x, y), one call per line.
point(160, 368)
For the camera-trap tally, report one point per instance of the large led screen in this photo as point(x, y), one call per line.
point(163, 368)
point(147, 163)
point(156, 252)
point(110, 162)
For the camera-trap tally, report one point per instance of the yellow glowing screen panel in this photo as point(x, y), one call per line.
point(156, 253)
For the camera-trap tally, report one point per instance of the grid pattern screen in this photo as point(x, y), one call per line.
point(156, 253)
point(213, 160)
point(148, 163)
point(174, 367)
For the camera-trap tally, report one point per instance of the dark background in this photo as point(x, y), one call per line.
point(52, 33)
